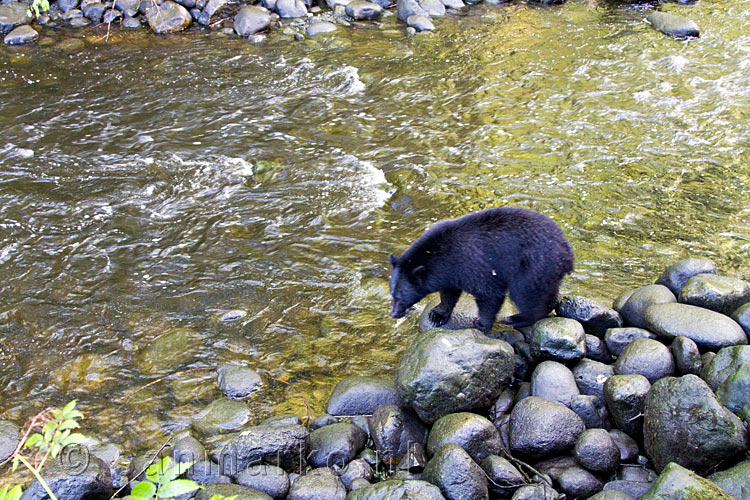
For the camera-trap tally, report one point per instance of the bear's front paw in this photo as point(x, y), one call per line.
point(438, 318)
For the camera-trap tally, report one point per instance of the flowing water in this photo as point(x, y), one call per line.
point(148, 185)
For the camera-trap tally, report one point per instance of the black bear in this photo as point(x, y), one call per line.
point(485, 254)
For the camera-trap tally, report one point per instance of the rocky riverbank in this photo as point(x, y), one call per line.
point(649, 398)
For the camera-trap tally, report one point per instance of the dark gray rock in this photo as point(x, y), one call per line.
point(536, 492)
point(456, 474)
point(357, 484)
point(503, 477)
point(130, 22)
point(282, 420)
point(735, 481)
point(633, 489)
point(556, 338)
point(725, 363)
point(214, 7)
point(79, 22)
point(596, 349)
point(420, 23)
point(577, 482)
point(221, 416)
point(554, 382)
point(742, 316)
point(627, 445)
point(434, 8)
point(205, 472)
point(356, 469)
point(129, 6)
point(362, 422)
point(631, 472)
point(502, 406)
point(646, 357)
point(392, 429)
point(540, 428)
point(335, 445)
point(718, 293)
point(675, 276)
point(92, 480)
point(361, 10)
point(322, 421)
point(273, 445)
point(398, 490)
point(473, 433)
point(23, 35)
point(318, 484)
point(188, 449)
point(734, 392)
point(72, 14)
point(592, 411)
point(10, 436)
point(625, 396)
point(361, 395)
point(621, 299)
point(447, 371)
point(12, 15)
point(686, 424)
point(611, 495)
point(371, 456)
point(618, 339)
point(230, 490)
point(271, 480)
point(595, 318)
point(709, 329)
point(288, 9)
point(111, 15)
point(687, 357)
point(597, 451)
point(170, 17)
point(319, 27)
point(678, 482)
point(66, 5)
point(634, 308)
point(673, 25)
point(407, 8)
point(93, 10)
point(238, 382)
point(524, 391)
point(590, 377)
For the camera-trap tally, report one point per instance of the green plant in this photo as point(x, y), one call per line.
point(162, 483)
point(37, 8)
point(14, 493)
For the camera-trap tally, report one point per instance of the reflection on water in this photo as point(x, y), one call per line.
point(150, 184)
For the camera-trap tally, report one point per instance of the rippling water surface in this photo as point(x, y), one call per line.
point(151, 184)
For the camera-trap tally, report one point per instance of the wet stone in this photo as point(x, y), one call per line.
point(407, 8)
point(95, 481)
point(288, 9)
point(597, 451)
point(274, 445)
point(320, 27)
point(318, 484)
point(708, 329)
point(12, 15)
point(596, 349)
point(434, 8)
point(238, 382)
point(188, 449)
point(282, 420)
point(673, 25)
point(179, 345)
point(23, 35)
point(560, 339)
point(577, 482)
point(675, 276)
point(392, 429)
point(398, 490)
point(536, 492)
point(742, 316)
point(735, 481)
point(230, 490)
point(361, 395)
point(685, 423)
point(322, 421)
point(592, 411)
point(221, 416)
point(473, 433)
point(131, 22)
point(594, 317)
point(271, 480)
point(716, 370)
point(205, 472)
point(611, 495)
point(453, 4)
point(633, 309)
point(503, 477)
point(111, 15)
point(734, 392)
point(541, 429)
point(360, 10)
point(127, 5)
point(356, 469)
point(627, 445)
point(456, 474)
point(10, 436)
point(170, 17)
point(678, 482)
point(646, 357)
point(686, 356)
point(618, 339)
point(94, 11)
point(718, 293)
point(358, 483)
point(625, 396)
point(335, 445)
point(632, 489)
point(66, 5)
point(554, 382)
point(590, 377)
point(502, 406)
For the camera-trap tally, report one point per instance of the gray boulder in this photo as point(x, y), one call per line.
point(503, 477)
point(318, 484)
point(673, 25)
point(708, 329)
point(597, 451)
point(10, 436)
point(742, 317)
point(320, 27)
point(12, 15)
point(448, 371)
point(434, 8)
point(625, 396)
point(66, 5)
point(687, 357)
point(718, 293)
point(23, 35)
point(361, 396)
point(634, 308)
point(420, 22)
point(735, 481)
point(205, 472)
point(726, 362)
point(557, 338)
point(288, 9)
point(685, 423)
point(627, 445)
point(92, 479)
point(680, 483)
point(734, 392)
point(576, 482)
point(618, 339)
point(675, 276)
point(221, 416)
point(408, 8)
point(282, 445)
point(392, 429)
point(188, 449)
point(596, 349)
point(335, 445)
point(235, 381)
point(456, 474)
point(361, 10)
point(230, 490)
point(541, 428)
point(398, 490)
point(592, 411)
point(322, 421)
point(590, 377)
point(473, 433)
point(595, 318)
point(646, 357)
point(356, 469)
point(554, 382)
point(271, 480)
point(170, 17)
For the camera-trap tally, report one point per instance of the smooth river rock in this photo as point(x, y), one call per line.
point(742, 316)
point(398, 490)
point(560, 339)
point(456, 474)
point(554, 382)
point(447, 371)
point(283, 445)
point(633, 309)
point(646, 357)
point(685, 423)
point(723, 364)
point(271, 480)
point(677, 482)
point(595, 318)
point(408, 8)
point(361, 396)
point(473, 433)
point(335, 445)
point(251, 19)
point(288, 9)
point(718, 293)
point(230, 490)
point(221, 416)
point(541, 428)
point(734, 392)
point(170, 17)
point(13, 14)
point(503, 476)
point(675, 276)
point(10, 436)
point(237, 382)
point(318, 484)
point(94, 481)
point(320, 27)
point(618, 339)
point(597, 451)
point(392, 429)
point(23, 35)
point(625, 396)
point(673, 25)
point(708, 329)
point(590, 377)
point(687, 357)
point(361, 10)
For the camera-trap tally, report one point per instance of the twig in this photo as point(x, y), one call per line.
point(175, 374)
point(280, 380)
point(150, 462)
point(524, 464)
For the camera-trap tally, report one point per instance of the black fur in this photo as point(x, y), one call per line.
point(486, 254)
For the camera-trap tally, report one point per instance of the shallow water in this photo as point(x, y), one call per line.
point(154, 183)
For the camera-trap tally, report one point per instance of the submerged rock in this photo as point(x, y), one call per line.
point(23, 35)
point(221, 416)
point(170, 17)
point(675, 276)
point(448, 371)
point(251, 19)
point(708, 329)
point(673, 25)
point(678, 482)
point(238, 382)
point(361, 395)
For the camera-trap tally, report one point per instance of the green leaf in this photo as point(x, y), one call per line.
point(219, 497)
point(14, 493)
point(156, 471)
point(34, 440)
point(145, 489)
point(70, 406)
point(75, 438)
point(136, 497)
point(177, 488)
point(54, 450)
point(69, 424)
point(73, 415)
point(57, 414)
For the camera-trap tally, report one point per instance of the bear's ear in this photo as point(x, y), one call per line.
point(393, 260)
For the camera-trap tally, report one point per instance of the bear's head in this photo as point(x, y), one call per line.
point(406, 285)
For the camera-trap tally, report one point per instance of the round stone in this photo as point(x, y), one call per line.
point(646, 357)
point(597, 451)
point(561, 339)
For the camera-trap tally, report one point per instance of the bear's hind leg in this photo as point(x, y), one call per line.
point(533, 304)
point(441, 313)
point(488, 308)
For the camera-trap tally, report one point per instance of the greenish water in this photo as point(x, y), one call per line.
point(148, 185)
